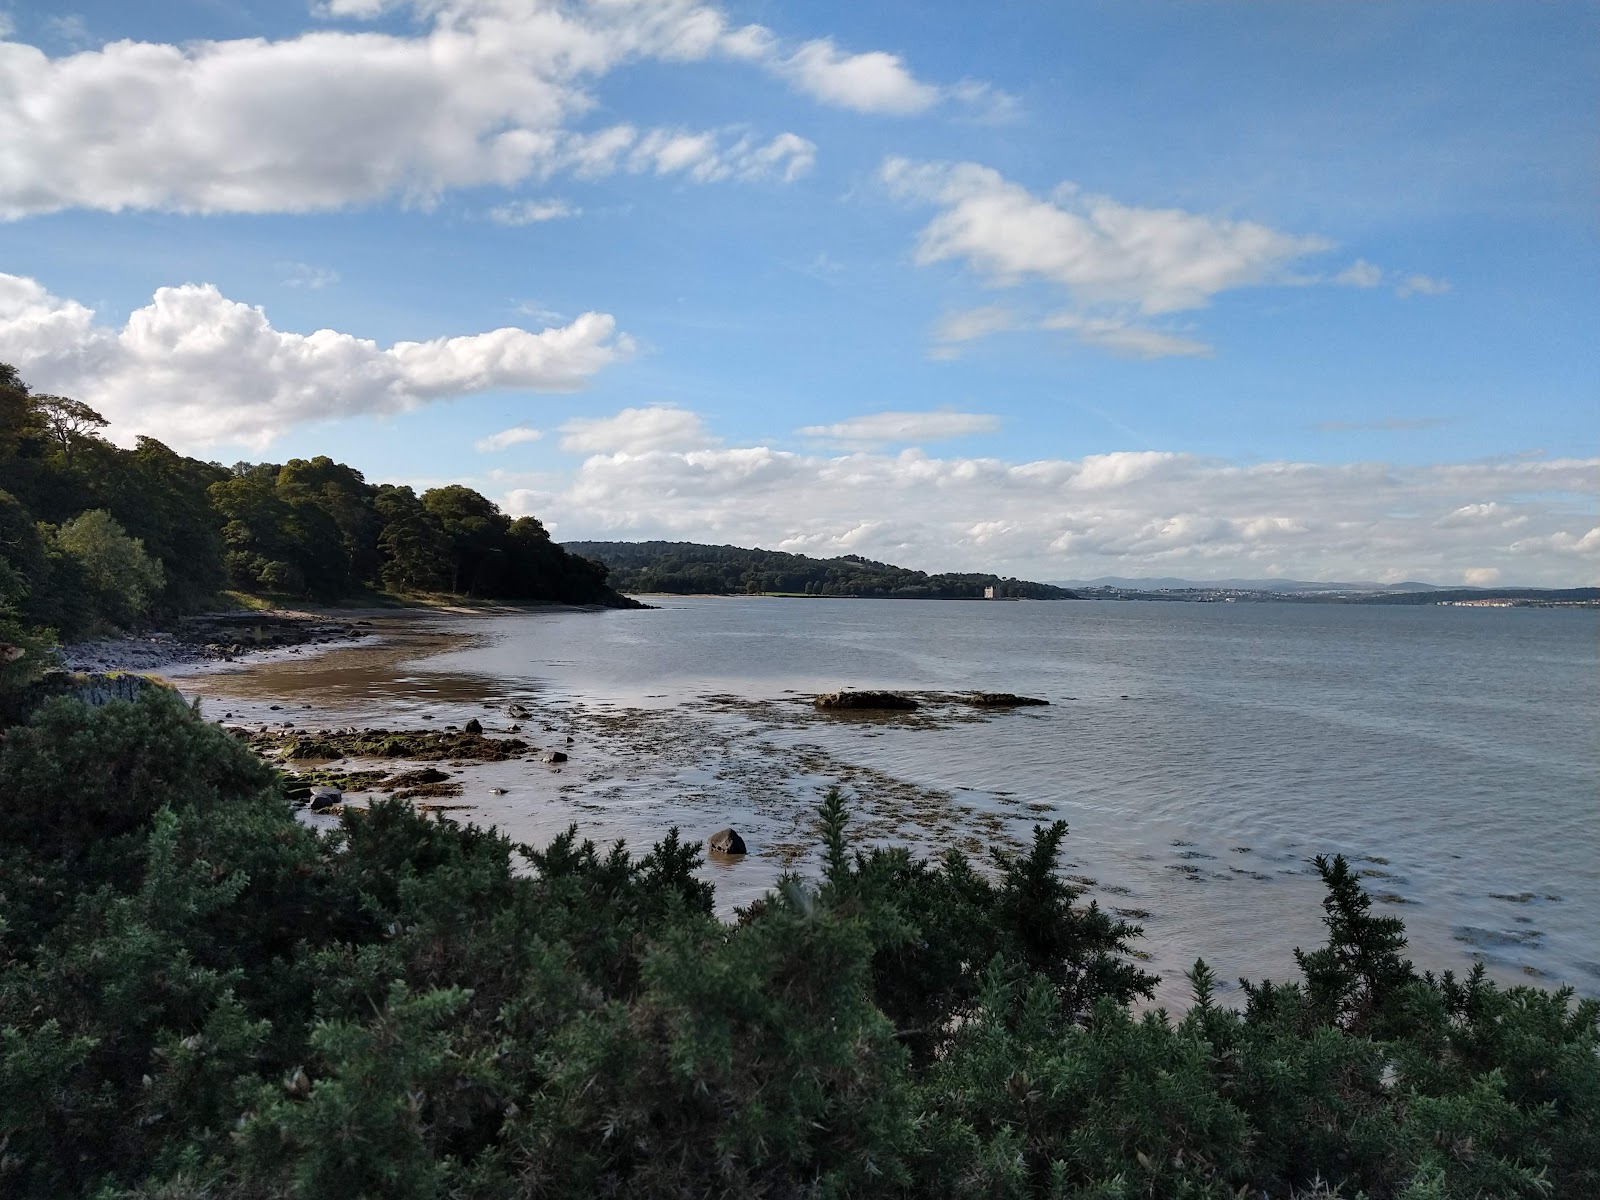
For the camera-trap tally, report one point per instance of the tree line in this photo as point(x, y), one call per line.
point(93, 535)
point(688, 568)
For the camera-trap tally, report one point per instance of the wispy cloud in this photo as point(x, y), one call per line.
point(1422, 285)
point(901, 428)
point(530, 212)
point(307, 275)
point(1385, 425)
point(515, 436)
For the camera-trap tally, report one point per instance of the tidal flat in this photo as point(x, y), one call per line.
point(1200, 758)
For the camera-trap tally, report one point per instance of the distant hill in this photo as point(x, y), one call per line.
point(1168, 583)
point(688, 568)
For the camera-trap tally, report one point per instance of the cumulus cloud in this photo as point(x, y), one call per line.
point(871, 82)
point(635, 431)
point(1156, 260)
point(1481, 576)
point(489, 93)
point(196, 369)
point(902, 428)
point(1144, 512)
point(531, 212)
point(517, 435)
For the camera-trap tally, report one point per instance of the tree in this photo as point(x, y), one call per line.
point(67, 422)
point(124, 578)
point(415, 553)
point(476, 530)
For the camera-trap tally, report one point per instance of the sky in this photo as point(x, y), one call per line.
point(1052, 289)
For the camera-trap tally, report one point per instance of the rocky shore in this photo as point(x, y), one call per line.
point(216, 637)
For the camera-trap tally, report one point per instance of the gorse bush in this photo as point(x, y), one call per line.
point(201, 997)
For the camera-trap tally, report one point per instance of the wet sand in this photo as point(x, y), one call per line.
point(632, 772)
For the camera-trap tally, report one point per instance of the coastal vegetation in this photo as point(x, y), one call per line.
point(93, 535)
point(201, 996)
point(688, 568)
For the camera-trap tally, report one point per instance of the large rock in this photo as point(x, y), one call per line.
point(556, 756)
point(1002, 700)
point(324, 798)
point(892, 701)
point(474, 726)
point(726, 841)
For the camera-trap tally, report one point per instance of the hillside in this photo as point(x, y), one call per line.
point(691, 568)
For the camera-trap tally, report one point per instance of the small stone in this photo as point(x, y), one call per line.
point(555, 756)
point(474, 726)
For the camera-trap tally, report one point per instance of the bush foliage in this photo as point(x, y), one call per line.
point(202, 997)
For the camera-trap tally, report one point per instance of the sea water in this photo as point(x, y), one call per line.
point(1202, 754)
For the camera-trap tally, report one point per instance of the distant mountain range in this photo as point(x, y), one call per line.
point(1168, 583)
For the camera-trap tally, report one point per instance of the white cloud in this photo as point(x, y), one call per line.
point(635, 431)
point(1422, 285)
point(8, 24)
point(1146, 512)
point(515, 436)
point(488, 94)
point(987, 104)
point(1154, 260)
point(307, 275)
point(1130, 341)
point(974, 323)
point(701, 157)
point(197, 369)
point(902, 428)
point(1360, 274)
point(874, 82)
point(1562, 542)
point(1481, 576)
point(530, 212)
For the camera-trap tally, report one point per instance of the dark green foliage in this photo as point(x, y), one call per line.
point(308, 529)
point(688, 568)
point(200, 997)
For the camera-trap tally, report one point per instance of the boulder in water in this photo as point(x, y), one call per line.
point(891, 701)
point(726, 841)
point(324, 798)
point(1002, 700)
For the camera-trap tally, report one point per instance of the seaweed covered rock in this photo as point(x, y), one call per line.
point(889, 701)
point(1002, 700)
point(416, 745)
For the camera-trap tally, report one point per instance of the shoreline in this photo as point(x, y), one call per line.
point(228, 636)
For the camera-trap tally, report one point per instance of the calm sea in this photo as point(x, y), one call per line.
point(1201, 753)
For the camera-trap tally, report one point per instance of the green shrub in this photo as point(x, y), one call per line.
point(202, 997)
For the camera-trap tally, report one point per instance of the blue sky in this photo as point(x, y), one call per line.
point(1063, 290)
